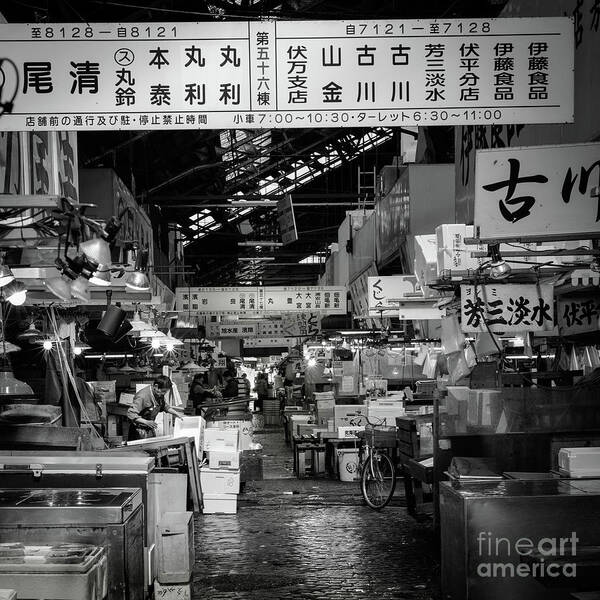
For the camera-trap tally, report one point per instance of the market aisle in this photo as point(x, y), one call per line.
point(311, 539)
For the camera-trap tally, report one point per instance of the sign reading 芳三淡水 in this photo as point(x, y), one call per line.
point(507, 307)
point(257, 301)
point(544, 192)
point(262, 75)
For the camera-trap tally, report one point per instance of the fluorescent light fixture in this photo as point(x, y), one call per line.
point(255, 258)
point(260, 243)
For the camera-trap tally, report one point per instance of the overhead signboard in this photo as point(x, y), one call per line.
point(257, 301)
point(292, 325)
point(537, 192)
point(272, 342)
point(507, 308)
point(286, 220)
point(271, 74)
point(386, 292)
point(578, 314)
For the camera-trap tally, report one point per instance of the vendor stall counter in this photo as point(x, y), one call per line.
point(108, 517)
point(519, 539)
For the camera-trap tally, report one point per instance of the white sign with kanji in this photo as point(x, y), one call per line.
point(285, 74)
point(257, 301)
point(537, 192)
point(506, 308)
point(386, 292)
point(578, 314)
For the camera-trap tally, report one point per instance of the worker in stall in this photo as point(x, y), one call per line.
point(146, 405)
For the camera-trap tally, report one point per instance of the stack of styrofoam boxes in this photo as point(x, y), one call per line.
point(222, 449)
point(294, 421)
point(385, 410)
point(349, 415)
point(324, 403)
point(244, 427)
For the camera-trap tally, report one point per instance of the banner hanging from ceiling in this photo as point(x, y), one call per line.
point(285, 74)
point(258, 301)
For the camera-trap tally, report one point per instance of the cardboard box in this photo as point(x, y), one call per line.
point(221, 439)
point(219, 503)
point(172, 591)
point(223, 459)
point(349, 415)
point(220, 481)
point(324, 410)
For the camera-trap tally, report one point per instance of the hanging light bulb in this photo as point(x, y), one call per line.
point(155, 343)
point(16, 293)
point(47, 345)
point(6, 275)
point(499, 268)
point(31, 334)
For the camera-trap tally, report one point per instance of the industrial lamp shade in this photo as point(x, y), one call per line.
point(111, 320)
point(16, 293)
point(60, 287)
point(101, 277)
point(138, 281)
point(80, 289)
point(6, 275)
point(11, 386)
point(97, 250)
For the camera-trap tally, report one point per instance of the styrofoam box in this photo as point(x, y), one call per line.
point(243, 426)
point(223, 459)
point(175, 541)
point(172, 591)
point(345, 433)
point(221, 439)
point(220, 481)
point(349, 415)
point(385, 415)
point(580, 462)
point(219, 503)
point(191, 427)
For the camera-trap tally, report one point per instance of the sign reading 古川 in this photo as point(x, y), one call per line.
point(539, 192)
point(260, 74)
point(257, 301)
point(507, 307)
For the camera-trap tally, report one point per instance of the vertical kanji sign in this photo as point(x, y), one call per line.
point(543, 192)
point(286, 220)
point(285, 74)
point(507, 308)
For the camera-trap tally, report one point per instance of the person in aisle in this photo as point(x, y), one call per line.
point(244, 384)
point(230, 389)
point(201, 392)
point(261, 387)
point(146, 405)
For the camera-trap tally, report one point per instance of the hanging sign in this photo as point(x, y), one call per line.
point(256, 301)
point(507, 308)
point(578, 314)
point(273, 342)
point(286, 220)
point(285, 74)
point(385, 292)
point(537, 192)
point(237, 330)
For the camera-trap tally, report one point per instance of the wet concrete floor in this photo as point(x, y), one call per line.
point(312, 539)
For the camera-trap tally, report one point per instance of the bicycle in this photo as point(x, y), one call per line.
point(378, 475)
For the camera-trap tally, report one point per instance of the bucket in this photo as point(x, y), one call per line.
point(348, 464)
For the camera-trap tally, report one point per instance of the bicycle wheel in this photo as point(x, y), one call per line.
point(378, 480)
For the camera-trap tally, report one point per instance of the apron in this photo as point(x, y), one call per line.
point(140, 432)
